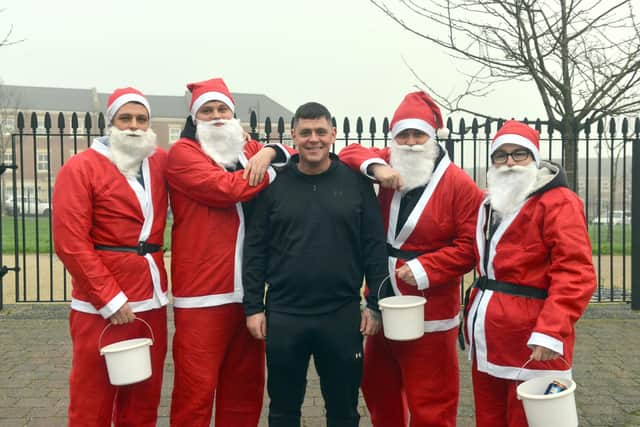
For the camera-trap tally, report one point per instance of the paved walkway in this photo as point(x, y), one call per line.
point(35, 355)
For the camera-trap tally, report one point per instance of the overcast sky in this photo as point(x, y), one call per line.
point(345, 54)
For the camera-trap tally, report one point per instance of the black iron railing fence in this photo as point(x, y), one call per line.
point(34, 153)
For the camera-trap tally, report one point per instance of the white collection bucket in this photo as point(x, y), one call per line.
point(543, 410)
point(402, 316)
point(128, 361)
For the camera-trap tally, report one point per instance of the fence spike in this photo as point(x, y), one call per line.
point(474, 127)
point(20, 121)
point(101, 123)
point(462, 128)
point(61, 123)
point(625, 126)
point(74, 122)
point(34, 122)
point(359, 126)
point(385, 127)
point(636, 126)
point(47, 122)
point(612, 126)
point(267, 126)
point(87, 122)
point(372, 127)
point(538, 125)
point(281, 126)
point(600, 127)
point(587, 127)
point(253, 121)
point(346, 128)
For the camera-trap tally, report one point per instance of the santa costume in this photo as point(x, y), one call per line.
point(214, 354)
point(108, 231)
point(536, 279)
point(430, 229)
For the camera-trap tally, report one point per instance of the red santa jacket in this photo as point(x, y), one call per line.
point(209, 223)
point(94, 204)
point(440, 227)
point(543, 244)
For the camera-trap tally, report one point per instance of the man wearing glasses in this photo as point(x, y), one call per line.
point(536, 276)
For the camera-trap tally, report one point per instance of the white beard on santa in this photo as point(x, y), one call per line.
point(414, 163)
point(130, 147)
point(223, 143)
point(508, 186)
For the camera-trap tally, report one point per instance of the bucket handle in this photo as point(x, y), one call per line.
point(388, 280)
point(111, 324)
point(529, 360)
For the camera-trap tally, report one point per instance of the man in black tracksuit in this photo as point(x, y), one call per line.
point(313, 234)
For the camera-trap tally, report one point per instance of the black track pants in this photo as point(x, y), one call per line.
point(335, 342)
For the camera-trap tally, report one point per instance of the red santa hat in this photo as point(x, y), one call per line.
point(209, 90)
point(417, 111)
point(515, 132)
point(121, 96)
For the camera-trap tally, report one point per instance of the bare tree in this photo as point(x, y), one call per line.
point(6, 39)
point(583, 56)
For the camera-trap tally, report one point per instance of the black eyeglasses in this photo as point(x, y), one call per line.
point(499, 157)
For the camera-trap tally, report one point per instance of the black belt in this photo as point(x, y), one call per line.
point(483, 282)
point(142, 249)
point(509, 288)
point(402, 254)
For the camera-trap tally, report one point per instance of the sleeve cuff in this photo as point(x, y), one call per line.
point(365, 165)
point(272, 174)
point(546, 341)
point(110, 308)
point(282, 153)
point(419, 274)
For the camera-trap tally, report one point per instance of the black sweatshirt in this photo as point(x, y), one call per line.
point(312, 238)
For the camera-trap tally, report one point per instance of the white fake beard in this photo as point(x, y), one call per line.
point(414, 162)
point(508, 187)
point(129, 148)
point(222, 143)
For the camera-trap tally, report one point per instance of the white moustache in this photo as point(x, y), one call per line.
point(509, 170)
point(419, 148)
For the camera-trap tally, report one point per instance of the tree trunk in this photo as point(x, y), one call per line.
point(570, 153)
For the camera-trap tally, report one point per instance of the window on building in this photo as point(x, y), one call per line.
point(42, 164)
point(174, 134)
point(9, 124)
point(7, 157)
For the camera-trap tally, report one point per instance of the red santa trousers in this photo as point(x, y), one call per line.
point(496, 402)
point(93, 401)
point(214, 354)
point(419, 376)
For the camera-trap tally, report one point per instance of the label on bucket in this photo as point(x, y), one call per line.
point(555, 387)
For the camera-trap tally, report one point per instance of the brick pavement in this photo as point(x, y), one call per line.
point(35, 354)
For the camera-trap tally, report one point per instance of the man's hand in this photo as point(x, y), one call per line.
point(405, 274)
point(542, 353)
point(370, 322)
point(258, 164)
point(122, 316)
point(257, 325)
point(387, 176)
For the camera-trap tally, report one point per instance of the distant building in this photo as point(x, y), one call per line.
point(39, 157)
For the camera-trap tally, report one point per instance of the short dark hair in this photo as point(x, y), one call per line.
point(311, 110)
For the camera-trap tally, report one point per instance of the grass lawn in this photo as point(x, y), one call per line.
point(27, 236)
point(33, 234)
